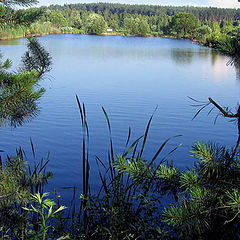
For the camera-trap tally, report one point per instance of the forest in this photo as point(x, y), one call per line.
point(208, 26)
point(205, 200)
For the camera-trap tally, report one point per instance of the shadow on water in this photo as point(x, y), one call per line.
point(12, 42)
point(186, 56)
point(237, 67)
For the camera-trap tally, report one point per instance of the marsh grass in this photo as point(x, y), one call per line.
point(11, 32)
point(39, 28)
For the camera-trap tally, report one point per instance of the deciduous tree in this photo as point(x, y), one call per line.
point(96, 24)
point(185, 23)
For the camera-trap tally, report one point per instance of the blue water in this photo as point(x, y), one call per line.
point(129, 76)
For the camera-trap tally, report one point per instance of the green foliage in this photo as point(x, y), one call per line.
point(95, 24)
point(123, 209)
point(23, 17)
point(57, 19)
point(27, 16)
point(206, 206)
point(10, 32)
point(185, 24)
point(76, 19)
point(40, 28)
point(202, 33)
point(137, 26)
point(130, 203)
point(36, 58)
point(12, 186)
point(45, 212)
point(230, 46)
point(20, 91)
point(2, 11)
point(139, 20)
point(215, 26)
point(16, 186)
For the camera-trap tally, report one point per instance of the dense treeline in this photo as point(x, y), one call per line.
point(203, 13)
point(209, 26)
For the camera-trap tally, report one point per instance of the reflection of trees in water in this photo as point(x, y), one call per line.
point(11, 42)
point(19, 91)
point(214, 56)
point(181, 56)
point(186, 56)
point(226, 60)
point(237, 67)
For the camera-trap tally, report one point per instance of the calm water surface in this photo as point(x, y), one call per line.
point(129, 76)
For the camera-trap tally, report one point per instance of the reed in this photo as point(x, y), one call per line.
point(120, 199)
point(36, 28)
point(10, 32)
point(44, 28)
point(85, 164)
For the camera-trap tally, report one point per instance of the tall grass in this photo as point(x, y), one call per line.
point(37, 28)
point(71, 30)
point(11, 32)
point(40, 28)
point(85, 164)
point(120, 200)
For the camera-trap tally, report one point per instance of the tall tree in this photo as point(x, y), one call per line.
point(185, 23)
point(96, 24)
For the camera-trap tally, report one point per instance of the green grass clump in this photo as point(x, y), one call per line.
point(11, 32)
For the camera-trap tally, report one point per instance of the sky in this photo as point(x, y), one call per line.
point(207, 3)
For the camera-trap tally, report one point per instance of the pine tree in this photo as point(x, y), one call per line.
point(19, 91)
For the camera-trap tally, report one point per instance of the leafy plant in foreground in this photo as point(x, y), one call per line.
point(45, 211)
point(17, 183)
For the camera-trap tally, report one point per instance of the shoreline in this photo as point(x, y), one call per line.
point(101, 34)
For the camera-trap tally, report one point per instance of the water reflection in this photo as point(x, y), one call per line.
point(214, 56)
point(110, 52)
point(221, 70)
point(11, 42)
point(186, 56)
point(221, 66)
point(237, 67)
point(181, 56)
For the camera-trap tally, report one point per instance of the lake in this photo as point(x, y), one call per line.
point(130, 77)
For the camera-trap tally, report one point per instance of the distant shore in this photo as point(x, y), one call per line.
point(101, 34)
